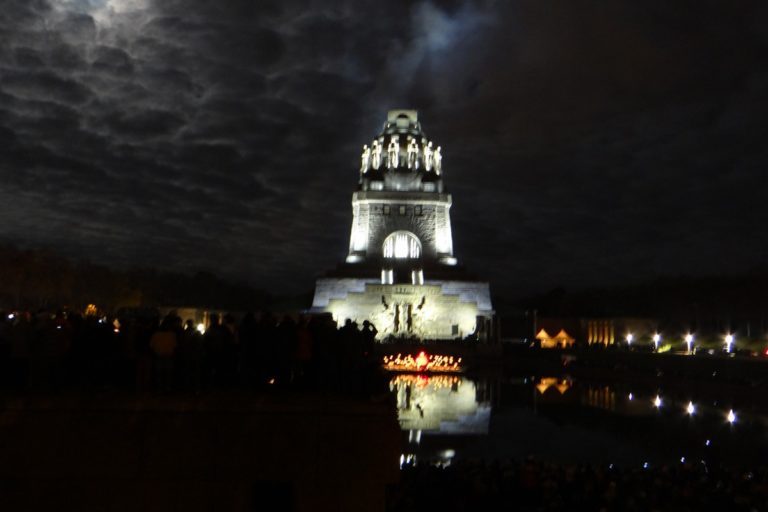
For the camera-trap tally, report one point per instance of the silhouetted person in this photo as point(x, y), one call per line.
point(163, 344)
point(229, 351)
point(249, 349)
point(191, 357)
point(369, 333)
point(267, 353)
point(285, 348)
point(303, 353)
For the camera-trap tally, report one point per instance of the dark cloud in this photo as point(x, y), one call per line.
point(584, 142)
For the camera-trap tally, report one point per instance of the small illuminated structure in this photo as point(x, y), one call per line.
point(400, 273)
point(656, 340)
point(560, 340)
point(689, 341)
point(630, 337)
point(728, 342)
point(423, 362)
point(546, 383)
point(690, 409)
point(657, 402)
point(731, 417)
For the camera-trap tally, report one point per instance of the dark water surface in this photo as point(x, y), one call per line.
point(557, 418)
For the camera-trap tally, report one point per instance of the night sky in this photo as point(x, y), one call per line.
point(585, 143)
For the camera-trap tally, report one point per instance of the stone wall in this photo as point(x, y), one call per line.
point(435, 310)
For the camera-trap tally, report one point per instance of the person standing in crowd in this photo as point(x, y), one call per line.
point(163, 345)
point(191, 356)
point(303, 352)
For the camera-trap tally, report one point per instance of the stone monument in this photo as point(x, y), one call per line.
point(401, 273)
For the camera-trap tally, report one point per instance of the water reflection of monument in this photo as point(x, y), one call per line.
point(444, 404)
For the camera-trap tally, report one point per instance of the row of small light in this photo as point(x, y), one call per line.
point(422, 362)
point(729, 339)
point(691, 408)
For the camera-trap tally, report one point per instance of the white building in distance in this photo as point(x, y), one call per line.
point(401, 274)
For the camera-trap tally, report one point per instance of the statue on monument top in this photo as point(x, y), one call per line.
point(413, 153)
point(438, 160)
point(376, 155)
point(365, 159)
point(393, 152)
point(428, 156)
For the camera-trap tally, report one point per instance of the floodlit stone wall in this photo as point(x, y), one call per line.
point(376, 216)
point(435, 310)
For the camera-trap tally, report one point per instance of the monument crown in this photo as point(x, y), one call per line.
point(401, 157)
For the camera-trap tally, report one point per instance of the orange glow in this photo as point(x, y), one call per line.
point(423, 362)
point(421, 381)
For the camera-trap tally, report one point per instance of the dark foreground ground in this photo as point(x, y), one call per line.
point(217, 451)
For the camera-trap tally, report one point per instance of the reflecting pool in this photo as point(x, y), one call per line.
point(560, 419)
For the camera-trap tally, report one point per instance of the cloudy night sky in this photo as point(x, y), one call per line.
point(585, 143)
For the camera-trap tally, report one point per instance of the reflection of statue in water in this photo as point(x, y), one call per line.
point(376, 154)
point(437, 158)
point(393, 152)
point(413, 153)
point(428, 156)
point(365, 159)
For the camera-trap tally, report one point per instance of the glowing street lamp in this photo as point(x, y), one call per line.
point(731, 417)
point(728, 342)
point(657, 401)
point(630, 338)
point(691, 409)
point(689, 341)
point(656, 340)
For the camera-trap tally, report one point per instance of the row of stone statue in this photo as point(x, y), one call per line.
point(372, 157)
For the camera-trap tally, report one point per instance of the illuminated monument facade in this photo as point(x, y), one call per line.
point(401, 274)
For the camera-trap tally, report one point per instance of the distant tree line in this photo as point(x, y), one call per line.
point(33, 279)
point(707, 304)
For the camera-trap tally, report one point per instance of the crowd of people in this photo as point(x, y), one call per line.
point(531, 485)
point(50, 352)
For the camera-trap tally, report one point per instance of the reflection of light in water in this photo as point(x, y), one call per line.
point(547, 382)
point(439, 403)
